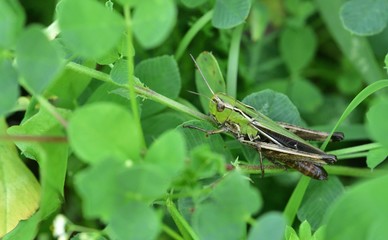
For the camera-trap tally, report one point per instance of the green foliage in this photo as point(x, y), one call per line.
point(39, 62)
point(103, 130)
point(12, 19)
point(275, 105)
point(9, 84)
point(153, 21)
point(269, 226)
point(94, 31)
point(351, 207)
point(228, 14)
point(212, 73)
point(231, 201)
point(19, 188)
point(94, 146)
point(318, 198)
point(162, 75)
point(365, 17)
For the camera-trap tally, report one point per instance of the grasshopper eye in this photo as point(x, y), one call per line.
point(220, 106)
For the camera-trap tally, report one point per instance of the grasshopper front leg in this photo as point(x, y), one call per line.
point(208, 132)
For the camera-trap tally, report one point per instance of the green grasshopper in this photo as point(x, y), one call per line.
point(278, 142)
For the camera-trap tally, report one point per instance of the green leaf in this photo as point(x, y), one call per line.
point(376, 122)
point(376, 156)
point(68, 87)
point(212, 222)
point(155, 125)
point(153, 22)
point(276, 106)
point(349, 84)
point(230, 13)
point(25, 229)
point(305, 95)
point(144, 182)
point(104, 130)
point(258, 20)
point(12, 20)
point(134, 221)
point(305, 230)
point(205, 163)
point(297, 47)
point(9, 87)
point(193, 3)
point(108, 92)
point(270, 225)
point(161, 74)
point(320, 233)
point(168, 152)
point(208, 64)
point(291, 234)
point(318, 198)
point(41, 124)
point(19, 189)
point(223, 214)
point(99, 189)
point(52, 158)
point(88, 28)
point(350, 208)
point(39, 62)
point(119, 72)
point(364, 17)
point(300, 11)
point(355, 48)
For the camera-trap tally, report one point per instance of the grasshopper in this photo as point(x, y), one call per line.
point(280, 143)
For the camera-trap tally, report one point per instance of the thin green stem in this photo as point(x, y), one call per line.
point(145, 92)
point(130, 62)
point(183, 226)
point(51, 109)
point(171, 232)
point(77, 228)
point(234, 51)
point(352, 156)
point(90, 72)
point(355, 172)
point(361, 148)
point(197, 26)
point(366, 92)
point(295, 200)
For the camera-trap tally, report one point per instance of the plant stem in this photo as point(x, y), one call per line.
point(131, 80)
point(198, 25)
point(145, 92)
point(234, 51)
point(295, 200)
point(353, 155)
point(51, 109)
point(180, 222)
point(171, 232)
point(355, 172)
point(366, 92)
point(361, 148)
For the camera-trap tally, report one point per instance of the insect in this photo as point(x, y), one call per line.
point(280, 143)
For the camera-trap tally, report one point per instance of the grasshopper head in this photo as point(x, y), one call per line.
point(221, 107)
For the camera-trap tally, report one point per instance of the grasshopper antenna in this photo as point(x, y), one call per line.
point(203, 76)
point(198, 94)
